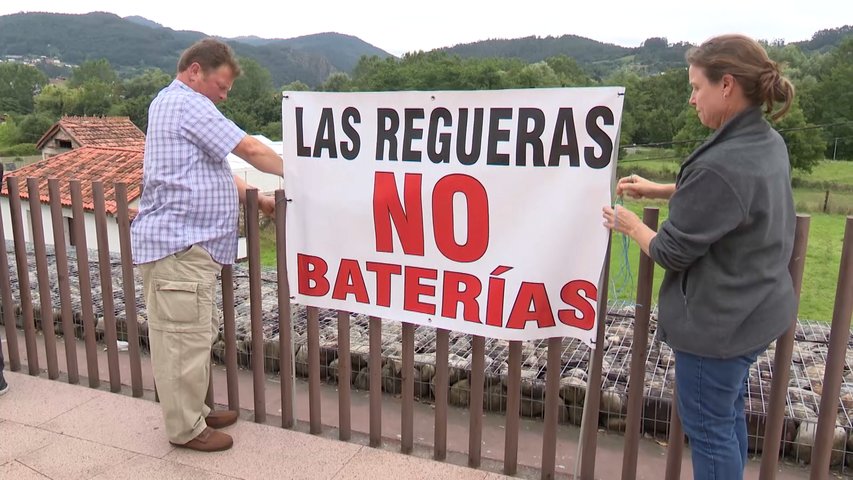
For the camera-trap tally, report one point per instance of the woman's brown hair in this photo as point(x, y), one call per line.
point(747, 61)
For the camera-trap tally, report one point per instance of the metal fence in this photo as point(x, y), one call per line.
point(557, 380)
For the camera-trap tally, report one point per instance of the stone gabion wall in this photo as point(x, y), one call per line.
point(805, 387)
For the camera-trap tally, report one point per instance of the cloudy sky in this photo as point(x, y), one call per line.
point(398, 26)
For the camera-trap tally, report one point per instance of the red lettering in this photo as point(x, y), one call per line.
point(383, 273)
point(531, 294)
point(452, 296)
point(312, 270)
point(409, 223)
point(350, 281)
point(570, 294)
point(414, 289)
point(477, 202)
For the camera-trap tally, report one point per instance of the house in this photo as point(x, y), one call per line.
point(86, 164)
point(75, 132)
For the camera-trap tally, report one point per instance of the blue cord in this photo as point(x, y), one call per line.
point(622, 283)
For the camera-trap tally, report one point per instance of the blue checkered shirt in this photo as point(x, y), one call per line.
point(189, 196)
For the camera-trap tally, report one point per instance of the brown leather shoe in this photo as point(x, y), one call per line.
point(221, 418)
point(209, 440)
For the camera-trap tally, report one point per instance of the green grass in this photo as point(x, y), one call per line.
point(830, 172)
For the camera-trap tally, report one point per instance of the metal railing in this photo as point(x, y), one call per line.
point(17, 306)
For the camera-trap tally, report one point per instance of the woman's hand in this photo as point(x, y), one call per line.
point(636, 186)
point(621, 220)
point(266, 203)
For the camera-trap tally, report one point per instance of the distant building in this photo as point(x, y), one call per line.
point(75, 132)
point(86, 164)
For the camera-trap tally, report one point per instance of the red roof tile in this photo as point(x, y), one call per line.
point(87, 164)
point(117, 132)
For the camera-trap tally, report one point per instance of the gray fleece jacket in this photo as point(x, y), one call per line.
point(727, 243)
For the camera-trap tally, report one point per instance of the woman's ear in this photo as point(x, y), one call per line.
point(728, 84)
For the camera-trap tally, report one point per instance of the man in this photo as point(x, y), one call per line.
point(187, 229)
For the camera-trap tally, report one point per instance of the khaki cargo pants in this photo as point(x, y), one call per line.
point(183, 323)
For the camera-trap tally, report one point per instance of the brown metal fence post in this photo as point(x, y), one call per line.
point(838, 338)
point(23, 275)
point(375, 368)
point(513, 403)
point(106, 276)
point(442, 378)
point(314, 405)
point(344, 377)
point(129, 288)
point(589, 430)
point(285, 329)
point(782, 362)
point(62, 274)
point(475, 407)
point(407, 422)
point(254, 244)
point(230, 338)
point(675, 445)
point(552, 395)
point(9, 317)
point(85, 278)
point(637, 375)
point(45, 304)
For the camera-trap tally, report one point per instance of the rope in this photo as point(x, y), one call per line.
point(622, 280)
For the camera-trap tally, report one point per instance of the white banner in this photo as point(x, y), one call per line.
point(478, 212)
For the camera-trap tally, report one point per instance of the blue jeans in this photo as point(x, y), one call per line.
point(710, 395)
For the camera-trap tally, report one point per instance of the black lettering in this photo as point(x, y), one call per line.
point(301, 149)
point(411, 133)
point(351, 115)
point(464, 157)
point(387, 133)
point(600, 137)
point(565, 128)
point(443, 155)
point(496, 134)
point(530, 136)
point(326, 135)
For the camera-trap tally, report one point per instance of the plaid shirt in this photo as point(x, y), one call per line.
point(188, 196)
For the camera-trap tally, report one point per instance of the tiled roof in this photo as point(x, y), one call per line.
point(116, 132)
point(87, 164)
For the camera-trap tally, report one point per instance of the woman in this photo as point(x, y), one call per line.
point(725, 247)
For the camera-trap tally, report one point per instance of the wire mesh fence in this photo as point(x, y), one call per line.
point(803, 396)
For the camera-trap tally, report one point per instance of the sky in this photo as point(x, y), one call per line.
point(398, 26)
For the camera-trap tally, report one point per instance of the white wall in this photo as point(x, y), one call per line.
point(47, 220)
point(264, 182)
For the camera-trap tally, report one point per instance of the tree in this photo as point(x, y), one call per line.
point(93, 71)
point(691, 134)
point(57, 100)
point(137, 94)
point(8, 133)
point(252, 102)
point(805, 142)
point(32, 127)
point(830, 102)
point(18, 84)
point(569, 73)
point(337, 82)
